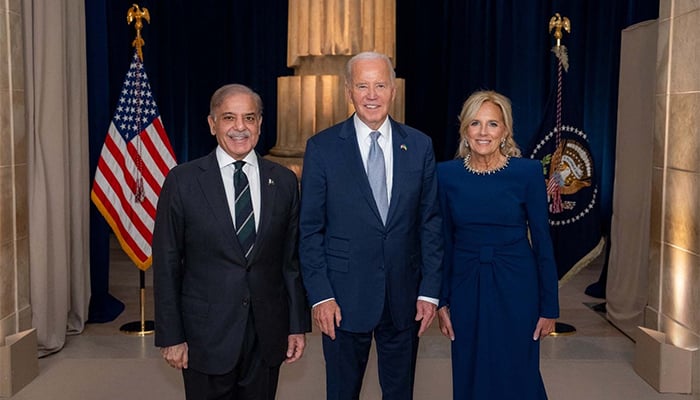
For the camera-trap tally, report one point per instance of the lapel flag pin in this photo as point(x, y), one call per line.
point(403, 147)
point(270, 182)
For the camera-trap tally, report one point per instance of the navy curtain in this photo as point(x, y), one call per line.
point(445, 50)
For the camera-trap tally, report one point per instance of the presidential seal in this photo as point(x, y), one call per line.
point(569, 174)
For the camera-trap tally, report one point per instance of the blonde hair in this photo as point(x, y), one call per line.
point(469, 110)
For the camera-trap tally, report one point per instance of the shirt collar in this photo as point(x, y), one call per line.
point(363, 130)
point(224, 159)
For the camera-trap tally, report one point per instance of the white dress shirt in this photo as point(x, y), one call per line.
point(252, 171)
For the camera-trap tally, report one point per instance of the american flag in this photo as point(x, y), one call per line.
point(134, 161)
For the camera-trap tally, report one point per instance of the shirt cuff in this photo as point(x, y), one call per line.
point(323, 301)
point(429, 299)
point(424, 298)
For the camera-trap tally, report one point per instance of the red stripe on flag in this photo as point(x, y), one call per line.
point(148, 142)
point(151, 143)
point(124, 204)
point(117, 153)
point(145, 174)
point(113, 216)
point(158, 124)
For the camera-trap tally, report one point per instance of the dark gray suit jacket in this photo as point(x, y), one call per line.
point(204, 287)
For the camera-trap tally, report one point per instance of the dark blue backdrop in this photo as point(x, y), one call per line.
point(445, 50)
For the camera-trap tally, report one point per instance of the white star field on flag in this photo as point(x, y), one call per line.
point(136, 108)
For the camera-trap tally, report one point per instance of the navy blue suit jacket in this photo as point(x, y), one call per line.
point(346, 251)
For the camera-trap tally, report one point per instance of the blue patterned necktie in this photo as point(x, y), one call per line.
point(376, 172)
point(245, 220)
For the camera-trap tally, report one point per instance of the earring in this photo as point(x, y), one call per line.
point(466, 144)
point(503, 143)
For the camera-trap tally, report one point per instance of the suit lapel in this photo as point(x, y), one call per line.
point(268, 192)
point(400, 162)
point(213, 190)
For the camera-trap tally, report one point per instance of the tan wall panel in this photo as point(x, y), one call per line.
point(674, 284)
point(653, 300)
point(680, 284)
point(684, 131)
point(682, 214)
point(686, 52)
point(662, 57)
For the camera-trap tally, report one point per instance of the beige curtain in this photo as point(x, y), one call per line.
point(628, 268)
point(58, 183)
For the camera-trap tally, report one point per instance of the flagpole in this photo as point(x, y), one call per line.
point(141, 327)
point(557, 23)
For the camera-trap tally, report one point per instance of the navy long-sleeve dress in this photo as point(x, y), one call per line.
point(499, 277)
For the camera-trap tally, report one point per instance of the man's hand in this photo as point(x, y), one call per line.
point(544, 327)
point(295, 347)
point(446, 323)
point(327, 317)
point(425, 313)
point(176, 356)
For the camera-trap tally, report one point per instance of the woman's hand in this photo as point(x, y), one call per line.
point(544, 327)
point(446, 323)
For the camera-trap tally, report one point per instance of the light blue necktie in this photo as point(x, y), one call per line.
point(376, 172)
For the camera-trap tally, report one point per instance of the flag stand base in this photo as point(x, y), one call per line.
point(136, 328)
point(562, 329)
point(142, 327)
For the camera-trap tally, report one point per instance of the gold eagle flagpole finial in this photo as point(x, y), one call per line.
point(136, 13)
point(559, 23)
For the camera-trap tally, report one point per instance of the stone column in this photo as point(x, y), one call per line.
point(15, 311)
point(18, 344)
point(674, 260)
point(322, 36)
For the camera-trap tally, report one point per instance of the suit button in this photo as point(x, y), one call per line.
point(246, 301)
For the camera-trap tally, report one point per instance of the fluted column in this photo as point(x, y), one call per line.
point(340, 27)
point(322, 36)
point(15, 310)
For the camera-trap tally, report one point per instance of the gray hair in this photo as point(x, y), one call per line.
point(226, 91)
point(368, 55)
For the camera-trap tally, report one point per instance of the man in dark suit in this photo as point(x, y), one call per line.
point(230, 306)
point(370, 236)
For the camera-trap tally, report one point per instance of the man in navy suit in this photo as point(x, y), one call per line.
point(230, 306)
point(370, 254)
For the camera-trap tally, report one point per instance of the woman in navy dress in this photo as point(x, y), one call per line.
point(500, 283)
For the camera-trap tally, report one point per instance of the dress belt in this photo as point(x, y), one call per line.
point(486, 253)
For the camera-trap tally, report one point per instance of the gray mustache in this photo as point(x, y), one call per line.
point(238, 135)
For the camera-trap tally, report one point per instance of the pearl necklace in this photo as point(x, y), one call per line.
point(484, 171)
